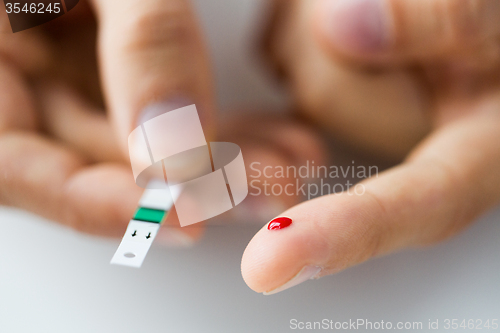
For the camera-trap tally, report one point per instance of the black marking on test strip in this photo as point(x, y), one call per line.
point(135, 233)
point(148, 236)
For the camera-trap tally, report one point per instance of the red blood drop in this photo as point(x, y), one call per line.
point(279, 223)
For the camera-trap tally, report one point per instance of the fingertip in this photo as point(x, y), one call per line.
point(273, 258)
point(100, 200)
point(171, 234)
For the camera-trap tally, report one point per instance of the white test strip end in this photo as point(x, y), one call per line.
point(135, 244)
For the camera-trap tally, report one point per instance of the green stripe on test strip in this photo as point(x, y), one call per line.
point(149, 215)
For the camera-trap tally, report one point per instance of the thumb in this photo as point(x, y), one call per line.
point(385, 30)
point(449, 181)
point(152, 61)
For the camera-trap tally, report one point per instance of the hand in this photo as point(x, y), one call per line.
point(392, 78)
point(60, 155)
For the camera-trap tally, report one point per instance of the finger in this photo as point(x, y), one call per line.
point(4, 21)
point(54, 182)
point(28, 51)
point(17, 109)
point(448, 181)
point(171, 234)
point(275, 132)
point(383, 114)
point(67, 118)
point(51, 180)
point(47, 179)
point(152, 61)
point(385, 30)
point(265, 141)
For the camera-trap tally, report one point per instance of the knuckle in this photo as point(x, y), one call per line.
point(356, 231)
point(464, 19)
point(445, 196)
point(167, 28)
point(444, 24)
point(380, 233)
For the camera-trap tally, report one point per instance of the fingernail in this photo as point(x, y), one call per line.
point(357, 25)
point(139, 150)
point(155, 109)
point(137, 144)
point(172, 237)
point(306, 273)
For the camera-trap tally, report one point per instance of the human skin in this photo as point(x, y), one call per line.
point(411, 80)
point(422, 93)
point(72, 90)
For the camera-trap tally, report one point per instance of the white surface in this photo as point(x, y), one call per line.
point(57, 281)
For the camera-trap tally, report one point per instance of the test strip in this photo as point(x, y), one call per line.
point(154, 206)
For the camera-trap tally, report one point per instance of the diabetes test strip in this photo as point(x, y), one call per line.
point(154, 206)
